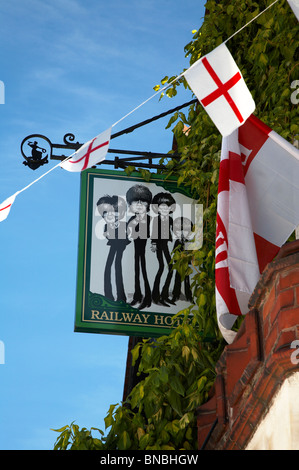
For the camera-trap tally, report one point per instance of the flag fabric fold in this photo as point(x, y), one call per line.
point(89, 154)
point(6, 206)
point(218, 84)
point(294, 4)
point(257, 210)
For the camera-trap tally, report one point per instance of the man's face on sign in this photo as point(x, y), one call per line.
point(109, 214)
point(139, 207)
point(164, 209)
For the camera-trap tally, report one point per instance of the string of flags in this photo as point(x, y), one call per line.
point(217, 83)
point(258, 190)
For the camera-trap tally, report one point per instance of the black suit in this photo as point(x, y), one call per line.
point(140, 233)
point(161, 235)
point(117, 241)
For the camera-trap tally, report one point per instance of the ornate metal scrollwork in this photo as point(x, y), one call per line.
point(36, 150)
point(68, 139)
point(39, 154)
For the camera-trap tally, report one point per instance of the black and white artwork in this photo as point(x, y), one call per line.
point(135, 228)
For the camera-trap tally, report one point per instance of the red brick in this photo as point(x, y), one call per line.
point(297, 296)
point(288, 318)
point(272, 339)
point(220, 399)
point(206, 417)
point(266, 327)
point(269, 303)
point(202, 433)
point(238, 360)
point(268, 388)
point(286, 337)
point(289, 279)
point(284, 299)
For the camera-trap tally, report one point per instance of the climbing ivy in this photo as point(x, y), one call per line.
point(178, 370)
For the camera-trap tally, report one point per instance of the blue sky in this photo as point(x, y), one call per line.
point(69, 66)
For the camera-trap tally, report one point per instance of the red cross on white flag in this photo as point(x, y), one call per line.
point(6, 206)
point(257, 210)
point(218, 84)
point(89, 154)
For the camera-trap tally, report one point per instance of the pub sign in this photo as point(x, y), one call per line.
point(128, 230)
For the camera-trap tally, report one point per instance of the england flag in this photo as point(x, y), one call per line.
point(257, 211)
point(89, 154)
point(6, 206)
point(218, 84)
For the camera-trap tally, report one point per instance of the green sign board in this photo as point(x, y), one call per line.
point(128, 230)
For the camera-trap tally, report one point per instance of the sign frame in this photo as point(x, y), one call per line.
point(95, 313)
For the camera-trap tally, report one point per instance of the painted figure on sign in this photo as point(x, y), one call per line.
point(138, 228)
point(113, 210)
point(163, 204)
point(182, 229)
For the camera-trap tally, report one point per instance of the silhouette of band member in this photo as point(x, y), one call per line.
point(139, 199)
point(113, 210)
point(182, 229)
point(163, 204)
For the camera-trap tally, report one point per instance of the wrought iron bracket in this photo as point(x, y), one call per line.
point(37, 149)
point(42, 149)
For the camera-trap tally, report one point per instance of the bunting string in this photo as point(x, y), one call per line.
point(148, 99)
point(183, 73)
point(44, 174)
point(253, 19)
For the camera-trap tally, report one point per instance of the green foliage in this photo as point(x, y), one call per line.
point(178, 370)
point(73, 438)
point(160, 412)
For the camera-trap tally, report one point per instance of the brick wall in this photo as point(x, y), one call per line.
point(252, 368)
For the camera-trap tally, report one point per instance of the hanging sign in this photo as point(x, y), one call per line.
point(129, 228)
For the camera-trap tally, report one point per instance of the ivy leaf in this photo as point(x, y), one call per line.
point(186, 419)
point(129, 169)
point(176, 385)
point(186, 352)
point(124, 442)
point(164, 374)
point(175, 402)
point(144, 441)
point(135, 353)
point(172, 120)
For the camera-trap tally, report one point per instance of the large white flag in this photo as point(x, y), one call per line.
point(6, 206)
point(257, 210)
point(218, 84)
point(294, 4)
point(89, 154)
